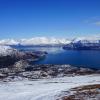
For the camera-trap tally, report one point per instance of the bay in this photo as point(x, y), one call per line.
point(57, 55)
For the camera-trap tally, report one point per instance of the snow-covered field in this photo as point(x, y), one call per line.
point(43, 89)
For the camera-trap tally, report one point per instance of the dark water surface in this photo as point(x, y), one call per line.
point(56, 55)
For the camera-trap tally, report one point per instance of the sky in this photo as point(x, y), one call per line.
point(49, 18)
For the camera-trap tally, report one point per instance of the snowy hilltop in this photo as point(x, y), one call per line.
point(7, 50)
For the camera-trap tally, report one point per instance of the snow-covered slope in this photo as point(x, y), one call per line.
point(43, 89)
point(7, 50)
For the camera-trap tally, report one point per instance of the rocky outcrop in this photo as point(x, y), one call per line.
point(87, 92)
point(22, 69)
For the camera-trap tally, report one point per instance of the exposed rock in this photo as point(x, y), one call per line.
point(20, 65)
point(88, 92)
point(24, 70)
point(2, 76)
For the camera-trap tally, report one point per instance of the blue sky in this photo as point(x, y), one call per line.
point(50, 18)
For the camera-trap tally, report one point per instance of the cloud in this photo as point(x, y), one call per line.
point(97, 23)
point(93, 21)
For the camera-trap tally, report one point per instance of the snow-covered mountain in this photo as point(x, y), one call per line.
point(84, 40)
point(84, 44)
point(35, 41)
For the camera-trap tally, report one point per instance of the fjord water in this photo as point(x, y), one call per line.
point(57, 55)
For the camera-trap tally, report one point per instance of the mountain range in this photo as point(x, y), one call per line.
point(51, 41)
point(35, 41)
